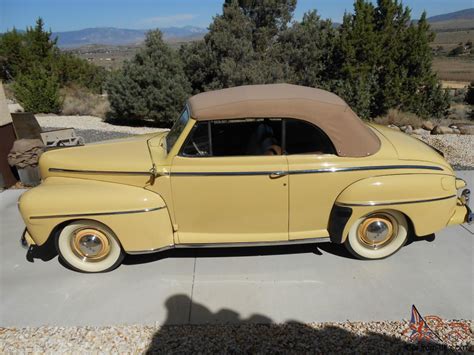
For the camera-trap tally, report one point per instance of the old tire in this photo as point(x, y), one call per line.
point(378, 235)
point(89, 246)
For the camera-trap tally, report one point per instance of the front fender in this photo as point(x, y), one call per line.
point(428, 200)
point(138, 217)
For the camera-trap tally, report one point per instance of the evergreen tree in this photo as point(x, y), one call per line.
point(305, 49)
point(238, 47)
point(150, 87)
point(38, 91)
point(384, 58)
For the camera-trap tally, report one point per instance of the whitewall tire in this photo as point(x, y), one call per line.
point(378, 235)
point(89, 246)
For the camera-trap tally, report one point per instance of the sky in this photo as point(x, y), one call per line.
point(66, 15)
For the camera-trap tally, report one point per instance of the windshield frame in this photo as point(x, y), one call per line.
point(177, 129)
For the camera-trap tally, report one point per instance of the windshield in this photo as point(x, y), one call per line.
point(176, 130)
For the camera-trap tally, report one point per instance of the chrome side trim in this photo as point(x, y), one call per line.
point(232, 245)
point(371, 203)
point(97, 214)
point(363, 168)
point(309, 171)
point(224, 173)
point(59, 170)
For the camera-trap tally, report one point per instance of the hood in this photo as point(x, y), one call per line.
point(129, 155)
point(410, 148)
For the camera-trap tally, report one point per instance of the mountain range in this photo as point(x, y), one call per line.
point(463, 19)
point(121, 36)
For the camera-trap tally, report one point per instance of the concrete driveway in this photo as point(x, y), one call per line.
point(298, 283)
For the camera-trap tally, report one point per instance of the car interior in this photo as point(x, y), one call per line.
point(249, 137)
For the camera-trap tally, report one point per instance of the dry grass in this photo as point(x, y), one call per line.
point(399, 118)
point(454, 69)
point(458, 114)
point(78, 101)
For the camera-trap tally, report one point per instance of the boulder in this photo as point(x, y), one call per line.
point(456, 130)
point(428, 125)
point(408, 129)
point(392, 126)
point(441, 130)
point(420, 131)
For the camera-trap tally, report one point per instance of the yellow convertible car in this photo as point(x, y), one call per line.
point(245, 166)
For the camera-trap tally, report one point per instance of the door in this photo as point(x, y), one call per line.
point(313, 188)
point(230, 183)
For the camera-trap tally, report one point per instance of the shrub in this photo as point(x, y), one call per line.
point(152, 86)
point(469, 98)
point(456, 51)
point(80, 101)
point(38, 91)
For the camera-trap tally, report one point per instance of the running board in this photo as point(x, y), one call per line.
point(234, 245)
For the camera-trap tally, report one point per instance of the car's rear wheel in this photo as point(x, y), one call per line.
point(89, 246)
point(377, 235)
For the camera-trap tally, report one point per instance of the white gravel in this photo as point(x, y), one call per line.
point(89, 123)
point(458, 149)
point(348, 337)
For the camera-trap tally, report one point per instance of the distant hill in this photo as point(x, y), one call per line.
point(120, 36)
point(467, 14)
point(459, 20)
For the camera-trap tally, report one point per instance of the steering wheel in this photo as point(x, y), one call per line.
point(200, 152)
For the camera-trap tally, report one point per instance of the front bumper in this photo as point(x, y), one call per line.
point(462, 213)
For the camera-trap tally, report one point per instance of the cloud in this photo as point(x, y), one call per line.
point(169, 20)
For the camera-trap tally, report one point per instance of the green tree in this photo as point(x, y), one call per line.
point(238, 48)
point(38, 91)
point(152, 86)
point(305, 50)
point(21, 51)
point(381, 51)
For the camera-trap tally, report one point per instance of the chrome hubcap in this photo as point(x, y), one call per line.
point(376, 231)
point(90, 244)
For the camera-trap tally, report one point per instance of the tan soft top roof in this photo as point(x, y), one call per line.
point(350, 136)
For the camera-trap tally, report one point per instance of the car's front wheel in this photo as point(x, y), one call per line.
point(89, 246)
point(378, 235)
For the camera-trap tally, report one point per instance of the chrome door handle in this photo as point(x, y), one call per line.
point(278, 174)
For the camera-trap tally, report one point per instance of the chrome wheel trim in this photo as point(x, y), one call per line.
point(90, 244)
point(377, 230)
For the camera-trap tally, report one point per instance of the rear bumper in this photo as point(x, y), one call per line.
point(462, 213)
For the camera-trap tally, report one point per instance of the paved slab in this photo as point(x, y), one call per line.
point(300, 283)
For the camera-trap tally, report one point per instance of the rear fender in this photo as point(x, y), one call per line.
point(428, 200)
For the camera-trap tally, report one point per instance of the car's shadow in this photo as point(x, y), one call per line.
point(319, 249)
point(316, 249)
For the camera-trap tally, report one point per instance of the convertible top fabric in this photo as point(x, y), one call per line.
point(350, 136)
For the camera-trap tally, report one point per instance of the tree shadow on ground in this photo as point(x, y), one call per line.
point(192, 328)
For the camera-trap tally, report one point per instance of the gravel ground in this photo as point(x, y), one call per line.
point(89, 123)
point(458, 149)
point(349, 337)
point(91, 135)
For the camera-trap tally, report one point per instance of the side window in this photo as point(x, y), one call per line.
point(304, 138)
point(197, 144)
point(246, 137)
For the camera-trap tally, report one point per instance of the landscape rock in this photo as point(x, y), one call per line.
point(428, 125)
point(441, 130)
point(408, 129)
point(456, 130)
point(420, 131)
point(392, 126)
